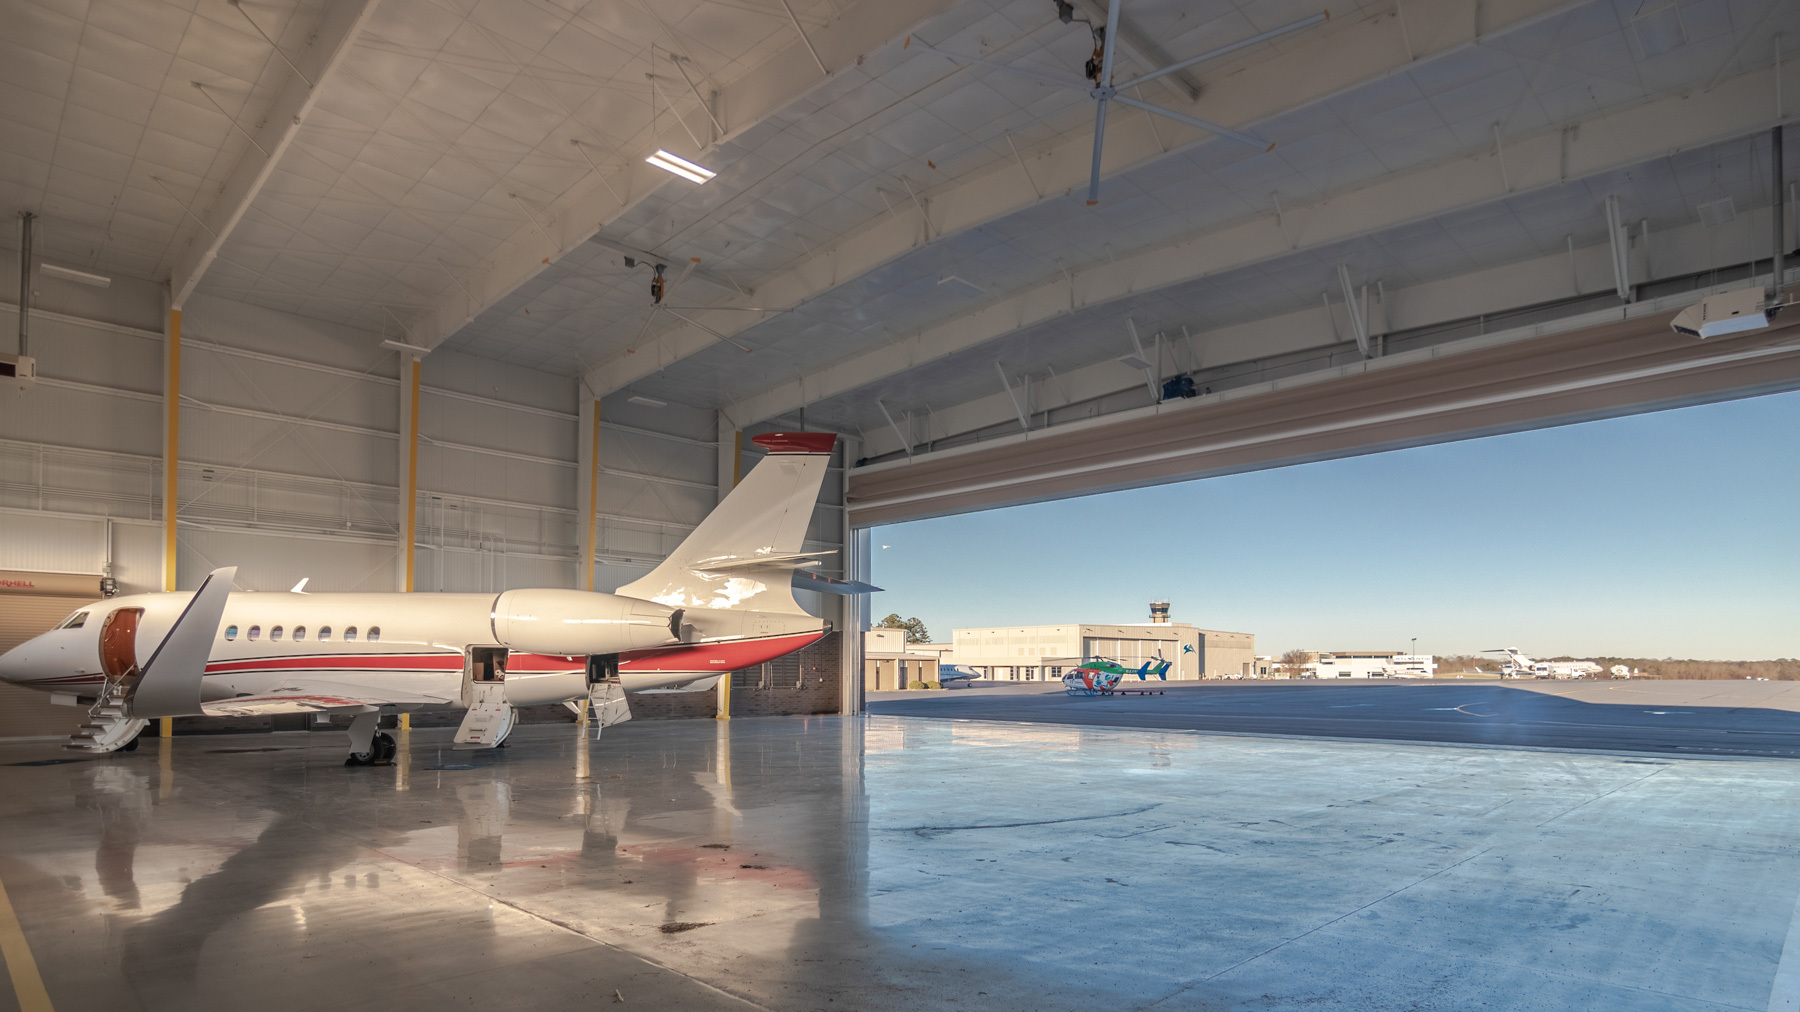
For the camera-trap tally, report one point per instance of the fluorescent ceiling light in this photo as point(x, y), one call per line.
point(71, 274)
point(411, 349)
point(648, 402)
point(1136, 361)
point(680, 166)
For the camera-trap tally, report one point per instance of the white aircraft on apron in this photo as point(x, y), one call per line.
point(723, 600)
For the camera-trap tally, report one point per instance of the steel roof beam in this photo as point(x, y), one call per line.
point(339, 26)
point(1614, 139)
point(1318, 66)
point(1488, 291)
point(743, 104)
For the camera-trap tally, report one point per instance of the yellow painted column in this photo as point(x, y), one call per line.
point(590, 545)
point(171, 443)
point(410, 369)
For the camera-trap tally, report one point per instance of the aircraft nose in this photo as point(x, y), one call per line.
point(16, 664)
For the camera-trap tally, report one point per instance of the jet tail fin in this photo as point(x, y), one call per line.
point(743, 554)
point(170, 683)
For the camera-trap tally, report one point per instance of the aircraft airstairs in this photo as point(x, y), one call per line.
point(107, 727)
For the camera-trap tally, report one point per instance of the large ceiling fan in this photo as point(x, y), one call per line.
point(1102, 89)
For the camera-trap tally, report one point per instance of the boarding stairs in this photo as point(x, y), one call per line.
point(107, 727)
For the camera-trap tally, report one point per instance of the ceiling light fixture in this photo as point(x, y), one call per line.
point(648, 402)
point(71, 274)
point(680, 166)
point(409, 349)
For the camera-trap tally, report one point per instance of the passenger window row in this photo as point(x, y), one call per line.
point(324, 634)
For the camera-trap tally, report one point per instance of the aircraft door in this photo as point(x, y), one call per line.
point(118, 644)
point(490, 716)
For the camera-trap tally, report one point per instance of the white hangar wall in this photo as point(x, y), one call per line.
point(289, 457)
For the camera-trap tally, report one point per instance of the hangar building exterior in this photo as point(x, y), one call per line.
point(1043, 653)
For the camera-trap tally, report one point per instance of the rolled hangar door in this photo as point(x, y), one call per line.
point(32, 603)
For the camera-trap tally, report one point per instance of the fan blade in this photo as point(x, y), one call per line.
point(1202, 124)
point(639, 339)
point(692, 263)
point(1099, 143)
point(1234, 47)
point(1007, 68)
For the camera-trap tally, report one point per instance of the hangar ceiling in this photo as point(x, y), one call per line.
point(470, 173)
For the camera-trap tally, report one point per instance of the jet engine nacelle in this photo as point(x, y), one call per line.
point(569, 623)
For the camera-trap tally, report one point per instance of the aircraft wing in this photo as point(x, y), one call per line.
point(316, 697)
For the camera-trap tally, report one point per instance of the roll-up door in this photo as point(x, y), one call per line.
point(31, 603)
point(1411, 399)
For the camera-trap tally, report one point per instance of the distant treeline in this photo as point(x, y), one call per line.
point(1453, 663)
point(1786, 669)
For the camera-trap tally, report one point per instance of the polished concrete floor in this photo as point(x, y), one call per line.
point(898, 863)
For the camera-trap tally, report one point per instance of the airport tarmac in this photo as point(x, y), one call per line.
point(897, 863)
point(1738, 718)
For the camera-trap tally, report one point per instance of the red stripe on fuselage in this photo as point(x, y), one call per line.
point(326, 662)
point(728, 656)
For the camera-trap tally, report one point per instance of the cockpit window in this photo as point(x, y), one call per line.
point(74, 621)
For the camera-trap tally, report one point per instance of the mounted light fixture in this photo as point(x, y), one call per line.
point(71, 274)
point(648, 402)
point(680, 166)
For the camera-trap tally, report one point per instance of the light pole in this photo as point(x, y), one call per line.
point(1415, 646)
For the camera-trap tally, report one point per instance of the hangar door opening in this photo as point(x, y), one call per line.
point(32, 603)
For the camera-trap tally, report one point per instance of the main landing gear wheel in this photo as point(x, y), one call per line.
point(382, 749)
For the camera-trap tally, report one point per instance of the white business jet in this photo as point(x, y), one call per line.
point(1517, 665)
point(723, 600)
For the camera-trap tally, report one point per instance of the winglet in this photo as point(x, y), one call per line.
point(170, 683)
point(300, 588)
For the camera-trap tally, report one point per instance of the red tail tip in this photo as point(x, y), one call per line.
point(796, 442)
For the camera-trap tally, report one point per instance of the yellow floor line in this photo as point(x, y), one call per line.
point(19, 964)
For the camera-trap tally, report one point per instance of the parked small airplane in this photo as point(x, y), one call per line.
point(1099, 677)
point(1517, 665)
point(956, 673)
point(721, 601)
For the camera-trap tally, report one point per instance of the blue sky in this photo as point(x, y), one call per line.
point(1672, 534)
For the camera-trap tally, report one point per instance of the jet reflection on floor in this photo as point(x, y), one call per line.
point(899, 862)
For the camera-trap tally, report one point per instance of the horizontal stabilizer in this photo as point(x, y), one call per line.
point(826, 585)
point(790, 560)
